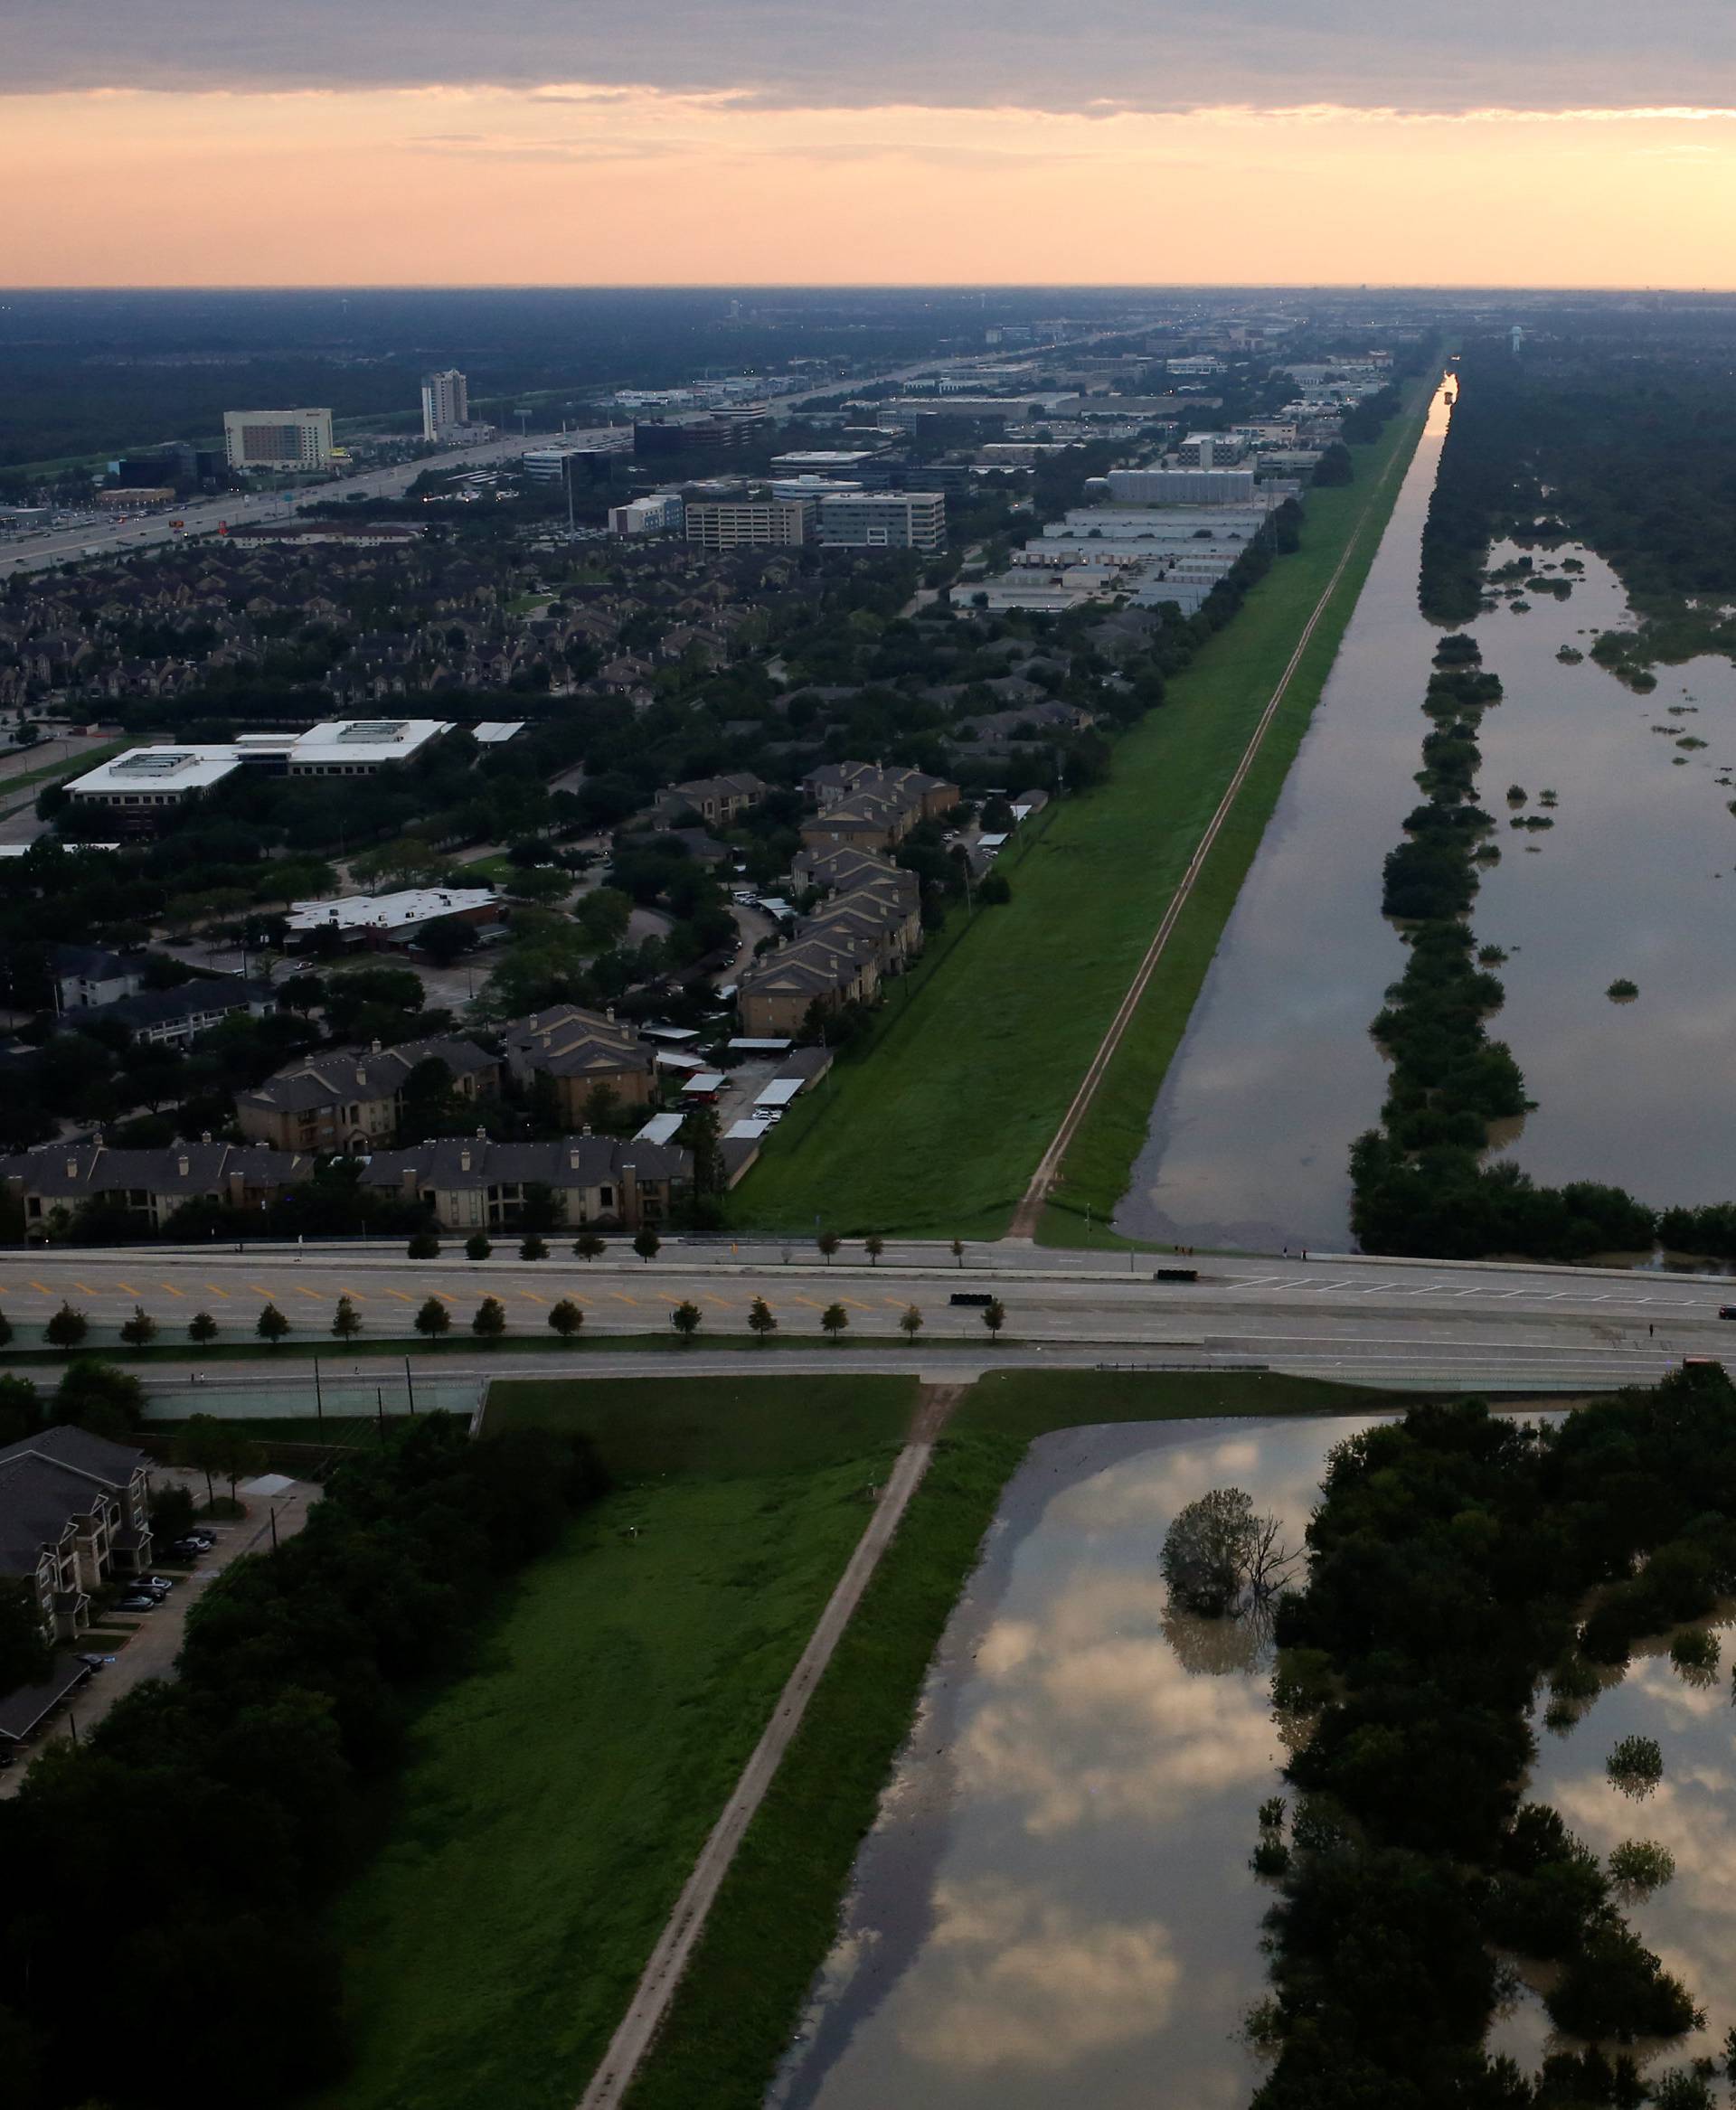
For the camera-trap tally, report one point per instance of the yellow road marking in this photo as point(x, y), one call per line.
point(85, 1286)
point(723, 1302)
point(173, 1290)
point(42, 1286)
point(262, 1292)
point(853, 1305)
point(809, 1301)
point(356, 1293)
point(896, 1304)
point(212, 1287)
point(534, 1297)
point(128, 1288)
point(445, 1296)
point(621, 1298)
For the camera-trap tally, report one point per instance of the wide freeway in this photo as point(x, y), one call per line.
point(1371, 1320)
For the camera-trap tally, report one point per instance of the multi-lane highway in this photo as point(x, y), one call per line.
point(1377, 1322)
point(204, 516)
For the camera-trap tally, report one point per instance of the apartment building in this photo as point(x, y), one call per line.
point(469, 1183)
point(277, 439)
point(445, 403)
point(572, 1052)
point(74, 1514)
point(150, 1185)
point(351, 1099)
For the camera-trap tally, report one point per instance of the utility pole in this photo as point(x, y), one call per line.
point(319, 1400)
point(410, 1387)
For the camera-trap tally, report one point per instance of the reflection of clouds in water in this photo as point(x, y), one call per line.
point(1023, 1981)
point(1279, 1467)
point(1092, 1714)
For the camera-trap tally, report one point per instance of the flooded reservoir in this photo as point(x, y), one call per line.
point(1055, 1904)
point(1633, 879)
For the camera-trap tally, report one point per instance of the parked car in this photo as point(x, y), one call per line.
point(187, 1549)
point(138, 1602)
point(139, 1589)
point(90, 1660)
point(152, 1582)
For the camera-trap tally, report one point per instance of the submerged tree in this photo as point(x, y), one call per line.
point(1218, 1553)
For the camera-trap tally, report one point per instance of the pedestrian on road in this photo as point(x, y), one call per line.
point(1650, 1329)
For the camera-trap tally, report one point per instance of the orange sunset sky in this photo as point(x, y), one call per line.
point(582, 141)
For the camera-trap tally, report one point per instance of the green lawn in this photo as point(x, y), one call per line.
point(939, 1127)
point(558, 1794)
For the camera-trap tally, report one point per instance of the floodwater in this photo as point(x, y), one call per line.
point(1275, 1076)
point(1691, 1922)
point(1054, 1906)
point(1635, 878)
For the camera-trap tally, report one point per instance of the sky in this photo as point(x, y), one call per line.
point(752, 142)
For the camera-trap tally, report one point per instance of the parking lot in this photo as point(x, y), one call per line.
point(150, 1653)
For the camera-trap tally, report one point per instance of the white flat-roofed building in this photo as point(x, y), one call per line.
point(356, 747)
point(495, 733)
point(823, 461)
point(1203, 486)
point(277, 439)
point(149, 778)
point(884, 520)
point(382, 919)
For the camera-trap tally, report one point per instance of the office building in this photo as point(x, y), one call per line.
point(1211, 450)
point(577, 452)
point(884, 520)
point(749, 524)
point(660, 513)
point(445, 403)
point(144, 780)
point(277, 439)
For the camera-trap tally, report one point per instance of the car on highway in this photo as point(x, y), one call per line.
point(1727, 1311)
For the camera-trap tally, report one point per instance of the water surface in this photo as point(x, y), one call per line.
point(1275, 1076)
point(1054, 1906)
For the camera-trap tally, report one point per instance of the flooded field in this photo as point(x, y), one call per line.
point(1632, 881)
point(1691, 1921)
point(1055, 1905)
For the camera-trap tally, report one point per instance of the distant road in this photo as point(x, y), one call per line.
point(1371, 1321)
point(203, 516)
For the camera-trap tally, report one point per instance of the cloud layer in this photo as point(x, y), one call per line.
point(1141, 54)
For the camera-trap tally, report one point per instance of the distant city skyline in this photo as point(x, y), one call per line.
point(769, 142)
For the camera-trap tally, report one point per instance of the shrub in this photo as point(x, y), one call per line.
point(1635, 1766)
point(66, 1328)
point(424, 1246)
point(479, 1245)
point(533, 1247)
point(566, 1318)
point(490, 1322)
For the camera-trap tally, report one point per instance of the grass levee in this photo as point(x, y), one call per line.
point(939, 1127)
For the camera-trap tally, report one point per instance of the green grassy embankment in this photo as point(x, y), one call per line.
point(558, 1795)
point(939, 1127)
point(776, 1915)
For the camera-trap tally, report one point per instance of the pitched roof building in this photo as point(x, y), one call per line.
point(351, 1099)
point(471, 1183)
point(149, 1185)
point(577, 1050)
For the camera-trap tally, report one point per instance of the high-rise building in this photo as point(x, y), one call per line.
point(277, 439)
point(445, 403)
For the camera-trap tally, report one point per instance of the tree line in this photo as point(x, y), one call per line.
point(174, 1869)
point(1459, 1559)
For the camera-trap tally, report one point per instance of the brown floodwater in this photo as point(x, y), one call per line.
point(1691, 1921)
point(1275, 1076)
point(1054, 1906)
point(1635, 879)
